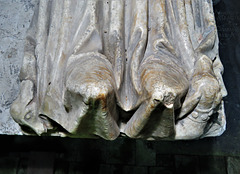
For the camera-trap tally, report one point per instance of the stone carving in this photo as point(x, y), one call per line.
point(146, 68)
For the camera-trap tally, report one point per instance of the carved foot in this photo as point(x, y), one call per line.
point(164, 85)
point(201, 102)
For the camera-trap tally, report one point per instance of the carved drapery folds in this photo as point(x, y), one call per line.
point(144, 68)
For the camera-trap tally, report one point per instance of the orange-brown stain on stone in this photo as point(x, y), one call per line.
point(103, 101)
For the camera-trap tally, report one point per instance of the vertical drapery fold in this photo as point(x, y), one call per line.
point(156, 59)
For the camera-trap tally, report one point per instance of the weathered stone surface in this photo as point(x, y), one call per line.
point(162, 71)
point(15, 17)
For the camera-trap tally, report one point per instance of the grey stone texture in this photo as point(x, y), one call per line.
point(78, 151)
point(15, 17)
point(158, 59)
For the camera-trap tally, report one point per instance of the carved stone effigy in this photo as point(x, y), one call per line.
point(144, 68)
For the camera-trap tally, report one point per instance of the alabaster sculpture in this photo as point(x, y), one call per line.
point(144, 68)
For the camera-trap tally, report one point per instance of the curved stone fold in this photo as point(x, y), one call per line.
point(146, 68)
